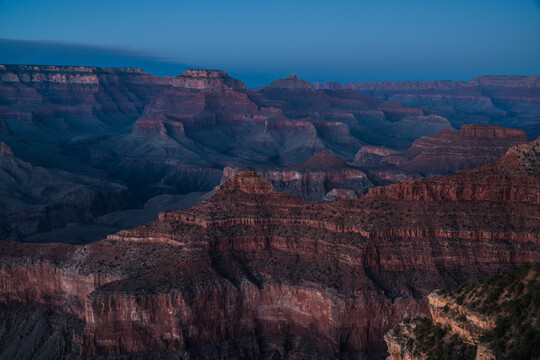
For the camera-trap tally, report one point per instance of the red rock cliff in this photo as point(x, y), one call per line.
point(251, 272)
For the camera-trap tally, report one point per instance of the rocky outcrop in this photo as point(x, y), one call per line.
point(397, 341)
point(488, 98)
point(446, 152)
point(253, 273)
point(490, 320)
point(337, 194)
point(469, 325)
point(421, 339)
point(372, 155)
point(37, 199)
point(323, 177)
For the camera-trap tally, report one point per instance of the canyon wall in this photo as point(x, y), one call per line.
point(251, 272)
point(493, 319)
point(153, 136)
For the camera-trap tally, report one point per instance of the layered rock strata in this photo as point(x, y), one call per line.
point(512, 100)
point(324, 176)
point(495, 319)
point(254, 273)
point(446, 152)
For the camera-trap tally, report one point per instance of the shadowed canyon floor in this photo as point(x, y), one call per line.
point(253, 273)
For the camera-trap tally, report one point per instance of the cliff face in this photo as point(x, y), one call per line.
point(254, 273)
point(446, 152)
point(513, 98)
point(324, 176)
point(175, 135)
point(516, 176)
point(39, 199)
point(80, 96)
point(494, 319)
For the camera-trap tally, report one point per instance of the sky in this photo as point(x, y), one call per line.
point(259, 41)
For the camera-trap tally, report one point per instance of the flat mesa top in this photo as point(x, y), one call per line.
point(204, 73)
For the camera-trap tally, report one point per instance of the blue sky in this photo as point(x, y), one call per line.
point(258, 41)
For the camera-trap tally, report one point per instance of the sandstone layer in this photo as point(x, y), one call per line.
point(324, 176)
point(493, 319)
point(175, 135)
point(509, 100)
point(446, 152)
point(253, 273)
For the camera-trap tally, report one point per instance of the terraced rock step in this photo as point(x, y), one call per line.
point(250, 272)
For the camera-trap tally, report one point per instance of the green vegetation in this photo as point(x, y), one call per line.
point(515, 298)
point(512, 299)
point(437, 343)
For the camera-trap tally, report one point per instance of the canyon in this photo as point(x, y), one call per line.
point(499, 100)
point(135, 144)
point(193, 217)
point(254, 273)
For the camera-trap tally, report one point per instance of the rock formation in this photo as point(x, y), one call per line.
point(175, 135)
point(323, 176)
point(509, 100)
point(496, 319)
point(254, 273)
point(446, 152)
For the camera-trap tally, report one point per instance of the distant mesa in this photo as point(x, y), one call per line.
point(324, 160)
point(246, 181)
point(205, 73)
point(208, 80)
point(290, 83)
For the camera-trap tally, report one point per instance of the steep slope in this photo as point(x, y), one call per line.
point(175, 135)
point(446, 152)
point(499, 100)
point(495, 319)
point(36, 199)
point(254, 273)
point(323, 176)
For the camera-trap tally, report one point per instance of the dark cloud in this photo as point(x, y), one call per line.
point(41, 52)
